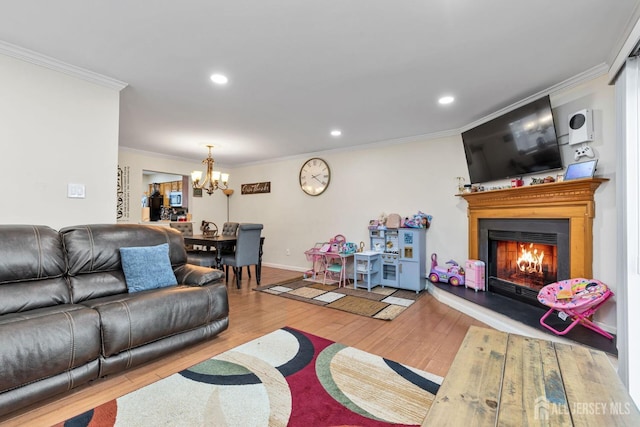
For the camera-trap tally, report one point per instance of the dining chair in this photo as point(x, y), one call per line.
point(247, 252)
point(186, 228)
point(204, 258)
point(230, 228)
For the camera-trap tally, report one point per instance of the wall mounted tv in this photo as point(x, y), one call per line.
point(520, 142)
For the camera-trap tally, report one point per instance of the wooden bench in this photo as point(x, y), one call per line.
point(500, 379)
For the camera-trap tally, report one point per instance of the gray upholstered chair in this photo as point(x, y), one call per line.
point(230, 228)
point(247, 252)
point(195, 256)
point(186, 228)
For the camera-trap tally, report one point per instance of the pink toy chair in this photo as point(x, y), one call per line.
point(578, 299)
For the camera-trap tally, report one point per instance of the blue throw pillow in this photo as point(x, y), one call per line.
point(147, 267)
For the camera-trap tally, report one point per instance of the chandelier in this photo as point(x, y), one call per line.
point(213, 180)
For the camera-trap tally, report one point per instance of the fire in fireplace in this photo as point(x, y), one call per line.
point(532, 265)
point(523, 255)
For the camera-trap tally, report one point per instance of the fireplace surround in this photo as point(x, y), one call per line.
point(565, 209)
point(523, 255)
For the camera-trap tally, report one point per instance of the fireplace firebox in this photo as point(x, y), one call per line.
point(523, 255)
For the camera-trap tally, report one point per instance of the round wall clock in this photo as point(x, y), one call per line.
point(314, 176)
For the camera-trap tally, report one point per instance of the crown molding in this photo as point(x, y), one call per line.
point(163, 156)
point(36, 58)
point(363, 146)
point(578, 79)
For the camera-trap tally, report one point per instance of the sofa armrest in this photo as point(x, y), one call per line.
point(195, 275)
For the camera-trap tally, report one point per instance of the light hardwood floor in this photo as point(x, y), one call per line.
point(427, 337)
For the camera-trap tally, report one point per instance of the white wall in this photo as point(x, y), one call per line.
point(56, 129)
point(365, 183)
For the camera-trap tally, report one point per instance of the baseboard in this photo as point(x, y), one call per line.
point(285, 267)
point(490, 317)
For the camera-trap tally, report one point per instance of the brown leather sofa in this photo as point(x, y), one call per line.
point(67, 318)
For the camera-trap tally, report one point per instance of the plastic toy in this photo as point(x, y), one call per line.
point(574, 299)
point(585, 150)
point(452, 273)
point(419, 220)
point(315, 255)
point(337, 242)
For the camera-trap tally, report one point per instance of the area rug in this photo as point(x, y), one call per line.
point(381, 303)
point(285, 378)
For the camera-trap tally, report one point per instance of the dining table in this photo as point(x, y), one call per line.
point(223, 242)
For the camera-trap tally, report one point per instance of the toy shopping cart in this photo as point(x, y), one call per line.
point(315, 256)
point(577, 299)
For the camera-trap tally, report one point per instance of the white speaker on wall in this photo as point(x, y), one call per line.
point(580, 127)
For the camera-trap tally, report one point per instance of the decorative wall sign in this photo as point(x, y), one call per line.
point(122, 194)
point(256, 188)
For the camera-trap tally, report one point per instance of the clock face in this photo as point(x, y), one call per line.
point(314, 176)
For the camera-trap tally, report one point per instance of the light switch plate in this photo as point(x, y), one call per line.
point(75, 191)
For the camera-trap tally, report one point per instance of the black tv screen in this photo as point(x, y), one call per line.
point(520, 142)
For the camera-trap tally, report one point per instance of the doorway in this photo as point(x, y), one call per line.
point(165, 195)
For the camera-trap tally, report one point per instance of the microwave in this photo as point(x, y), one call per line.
point(175, 199)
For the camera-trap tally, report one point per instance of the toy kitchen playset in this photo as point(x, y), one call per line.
point(402, 255)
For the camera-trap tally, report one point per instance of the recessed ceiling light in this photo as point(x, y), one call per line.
point(336, 132)
point(446, 100)
point(219, 79)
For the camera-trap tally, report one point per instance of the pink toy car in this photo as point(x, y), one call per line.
point(452, 273)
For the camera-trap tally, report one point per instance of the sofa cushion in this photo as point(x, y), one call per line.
point(32, 268)
point(147, 267)
point(31, 393)
point(93, 253)
point(132, 320)
point(45, 342)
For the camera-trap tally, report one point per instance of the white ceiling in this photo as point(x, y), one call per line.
point(300, 68)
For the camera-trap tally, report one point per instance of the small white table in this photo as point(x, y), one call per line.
point(366, 263)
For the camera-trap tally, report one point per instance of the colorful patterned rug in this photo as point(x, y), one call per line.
point(381, 303)
point(285, 378)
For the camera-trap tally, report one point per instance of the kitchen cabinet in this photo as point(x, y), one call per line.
point(165, 188)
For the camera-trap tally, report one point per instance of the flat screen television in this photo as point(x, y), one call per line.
point(520, 142)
